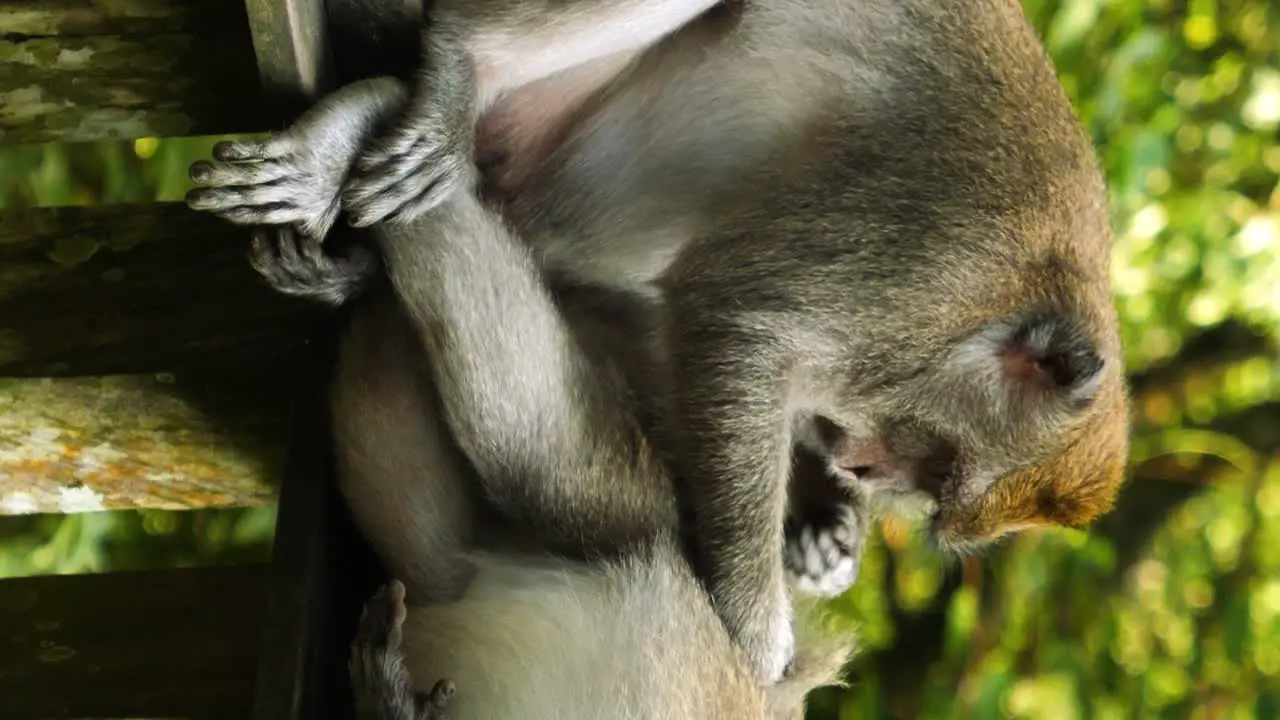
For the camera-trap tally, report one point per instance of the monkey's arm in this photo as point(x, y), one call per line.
point(734, 443)
point(550, 430)
point(479, 50)
point(380, 684)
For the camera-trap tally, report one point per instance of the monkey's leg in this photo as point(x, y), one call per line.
point(551, 433)
point(403, 478)
point(409, 488)
point(545, 426)
point(380, 684)
point(825, 529)
point(475, 52)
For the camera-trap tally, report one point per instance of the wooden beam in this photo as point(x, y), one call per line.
point(135, 289)
point(74, 70)
point(167, 442)
point(290, 41)
point(170, 643)
point(301, 663)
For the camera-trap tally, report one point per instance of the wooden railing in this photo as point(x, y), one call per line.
point(143, 365)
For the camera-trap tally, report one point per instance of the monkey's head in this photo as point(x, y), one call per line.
point(1022, 424)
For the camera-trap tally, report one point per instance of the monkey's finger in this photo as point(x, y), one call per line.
point(830, 550)
point(274, 214)
point(318, 227)
point(276, 193)
point(363, 211)
point(382, 172)
point(842, 534)
point(366, 186)
point(277, 145)
point(406, 201)
point(426, 201)
point(207, 172)
point(262, 257)
point(441, 693)
point(266, 255)
point(812, 554)
point(408, 141)
point(287, 248)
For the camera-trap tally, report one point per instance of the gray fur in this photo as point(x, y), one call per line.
point(879, 213)
point(533, 616)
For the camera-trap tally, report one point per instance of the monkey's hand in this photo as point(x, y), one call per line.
point(428, 152)
point(380, 684)
point(299, 265)
point(295, 177)
point(824, 550)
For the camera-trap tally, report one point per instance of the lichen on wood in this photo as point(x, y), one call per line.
point(74, 71)
point(159, 441)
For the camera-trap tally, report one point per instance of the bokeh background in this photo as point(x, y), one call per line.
point(1170, 607)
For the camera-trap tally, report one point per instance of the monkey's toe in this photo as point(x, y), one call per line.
point(383, 618)
point(432, 705)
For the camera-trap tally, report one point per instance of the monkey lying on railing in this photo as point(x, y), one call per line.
point(618, 628)
point(874, 228)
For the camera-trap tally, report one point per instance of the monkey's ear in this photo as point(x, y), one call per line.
point(1049, 353)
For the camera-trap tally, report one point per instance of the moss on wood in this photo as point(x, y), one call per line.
point(74, 71)
point(157, 441)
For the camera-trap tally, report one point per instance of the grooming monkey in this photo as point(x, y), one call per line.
point(615, 624)
point(872, 228)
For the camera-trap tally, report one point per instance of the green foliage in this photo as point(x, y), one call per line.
point(1180, 617)
point(1170, 608)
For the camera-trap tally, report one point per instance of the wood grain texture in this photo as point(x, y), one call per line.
point(135, 289)
point(171, 643)
point(165, 442)
point(74, 70)
point(290, 40)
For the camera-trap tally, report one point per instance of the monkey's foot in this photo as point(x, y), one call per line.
point(295, 177)
point(380, 684)
point(297, 264)
point(410, 171)
point(823, 554)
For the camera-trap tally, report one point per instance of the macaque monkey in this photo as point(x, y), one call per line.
point(614, 622)
point(869, 228)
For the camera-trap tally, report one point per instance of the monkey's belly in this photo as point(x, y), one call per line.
point(522, 129)
point(561, 640)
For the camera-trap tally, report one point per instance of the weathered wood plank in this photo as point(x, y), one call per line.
point(289, 37)
point(92, 69)
point(84, 444)
point(134, 289)
point(171, 643)
point(290, 41)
